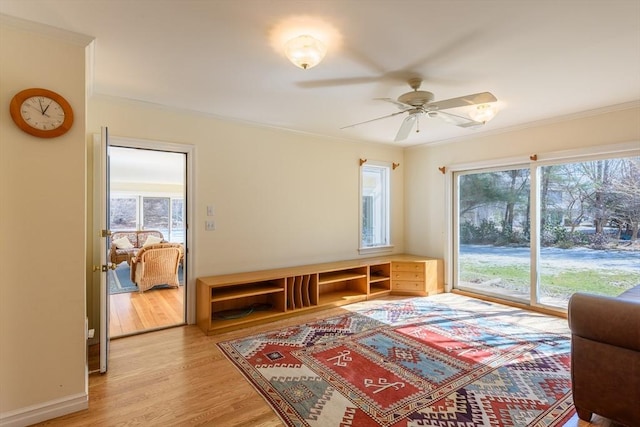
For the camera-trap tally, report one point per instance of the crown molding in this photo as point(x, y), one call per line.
point(538, 123)
point(46, 30)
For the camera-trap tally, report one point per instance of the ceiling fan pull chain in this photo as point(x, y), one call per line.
point(417, 124)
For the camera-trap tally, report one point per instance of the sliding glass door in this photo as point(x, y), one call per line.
point(539, 233)
point(493, 229)
point(589, 215)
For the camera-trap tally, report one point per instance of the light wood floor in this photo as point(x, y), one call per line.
point(178, 377)
point(135, 312)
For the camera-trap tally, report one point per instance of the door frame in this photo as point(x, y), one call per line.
point(189, 151)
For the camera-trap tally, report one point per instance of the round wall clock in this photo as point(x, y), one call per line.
point(41, 112)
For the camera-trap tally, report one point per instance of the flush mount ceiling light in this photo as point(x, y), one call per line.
point(305, 51)
point(483, 113)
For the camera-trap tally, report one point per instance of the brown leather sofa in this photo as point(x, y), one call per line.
point(605, 356)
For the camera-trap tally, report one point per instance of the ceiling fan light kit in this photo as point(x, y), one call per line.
point(420, 102)
point(483, 113)
point(305, 51)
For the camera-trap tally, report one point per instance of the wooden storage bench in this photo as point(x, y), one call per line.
point(233, 301)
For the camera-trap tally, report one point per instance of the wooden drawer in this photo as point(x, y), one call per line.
point(407, 266)
point(408, 275)
point(408, 286)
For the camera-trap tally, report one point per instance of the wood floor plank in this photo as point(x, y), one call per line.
point(136, 312)
point(178, 377)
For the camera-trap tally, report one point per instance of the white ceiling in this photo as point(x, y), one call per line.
point(541, 59)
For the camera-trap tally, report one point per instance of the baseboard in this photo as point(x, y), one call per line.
point(45, 411)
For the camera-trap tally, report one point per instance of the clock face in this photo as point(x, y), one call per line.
point(42, 113)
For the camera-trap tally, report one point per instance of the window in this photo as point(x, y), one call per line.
point(539, 233)
point(137, 212)
point(493, 230)
point(374, 196)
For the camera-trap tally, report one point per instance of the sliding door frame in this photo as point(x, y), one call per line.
point(534, 162)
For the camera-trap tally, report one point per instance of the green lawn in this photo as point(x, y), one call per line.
point(559, 282)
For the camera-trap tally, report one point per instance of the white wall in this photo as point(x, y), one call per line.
point(425, 221)
point(42, 236)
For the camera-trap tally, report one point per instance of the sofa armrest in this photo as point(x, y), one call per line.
point(608, 320)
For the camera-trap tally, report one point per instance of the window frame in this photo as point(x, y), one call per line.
point(535, 163)
point(139, 197)
point(386, 245)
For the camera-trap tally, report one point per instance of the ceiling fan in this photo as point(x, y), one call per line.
point(419, 102)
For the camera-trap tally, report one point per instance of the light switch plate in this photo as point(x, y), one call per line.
point(209, 210)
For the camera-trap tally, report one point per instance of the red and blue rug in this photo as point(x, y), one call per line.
point(414, 362)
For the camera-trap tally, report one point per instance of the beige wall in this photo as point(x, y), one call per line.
point(280, 198)
point(42, 232)
point(425, 221)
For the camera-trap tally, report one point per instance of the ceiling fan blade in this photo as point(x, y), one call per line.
point(463, 101)
point(372, 120)
point(394, 102)
point(455, 119)
point(406, 126)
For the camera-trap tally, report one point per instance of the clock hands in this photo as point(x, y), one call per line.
point(44, 110)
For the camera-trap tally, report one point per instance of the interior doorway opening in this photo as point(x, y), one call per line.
point(147, 206)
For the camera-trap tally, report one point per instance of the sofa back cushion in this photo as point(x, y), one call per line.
point(131, 235)
point(137, 238)
point(144, 235)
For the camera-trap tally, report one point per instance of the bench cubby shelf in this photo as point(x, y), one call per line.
point(239, 300)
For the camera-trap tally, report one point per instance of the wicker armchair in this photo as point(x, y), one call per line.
point(156, 264)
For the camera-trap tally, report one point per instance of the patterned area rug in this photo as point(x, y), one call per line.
point(414, 362)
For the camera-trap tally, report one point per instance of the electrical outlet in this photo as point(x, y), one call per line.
point(209, 225)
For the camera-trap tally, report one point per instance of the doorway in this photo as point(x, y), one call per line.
point(146, 197)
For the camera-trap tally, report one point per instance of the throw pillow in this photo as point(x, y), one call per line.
point(152, 240)
point(123, 243)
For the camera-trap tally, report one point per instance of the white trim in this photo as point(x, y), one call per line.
point(538, 123)
point(450, 224)
point(534, 234)
point(451, 245)
point(388, 246)
point(375, 250)
point(46, 30)
point(36, 413)
point(190, 151)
